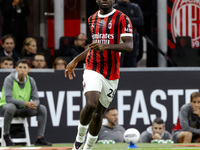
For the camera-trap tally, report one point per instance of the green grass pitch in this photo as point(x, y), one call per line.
point(118, 146)
point(141, 146)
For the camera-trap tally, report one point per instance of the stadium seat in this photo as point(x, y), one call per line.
point(16, 120)
point(184, 55)
point(65, 42)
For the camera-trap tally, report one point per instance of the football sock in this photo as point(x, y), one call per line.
point(91, 140)
point(82, 129)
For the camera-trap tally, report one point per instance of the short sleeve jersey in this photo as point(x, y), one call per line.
point(107, 29)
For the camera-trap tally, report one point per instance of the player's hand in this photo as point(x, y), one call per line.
point(156, 136)
point(31, 105)
point(70, 70)
point(196, 111)
point(97, 46)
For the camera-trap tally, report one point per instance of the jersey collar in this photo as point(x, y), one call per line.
point(106, 15)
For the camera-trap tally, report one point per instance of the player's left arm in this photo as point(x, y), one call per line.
point(126, 46)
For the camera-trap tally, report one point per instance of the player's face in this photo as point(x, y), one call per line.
point(112, 117)
point(195, 103)
point(22, 70)
point(158, 128)
point(105, 5)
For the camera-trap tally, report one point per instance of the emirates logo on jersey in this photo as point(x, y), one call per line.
point(110, 25)
point(185, 20)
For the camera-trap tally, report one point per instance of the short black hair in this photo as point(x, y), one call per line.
point(39, 54)
point(8, 36)
point(6, 58)
point(159, 121)
point(109, 109)
point(24, 61)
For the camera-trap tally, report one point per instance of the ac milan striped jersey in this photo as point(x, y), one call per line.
point(107, 29)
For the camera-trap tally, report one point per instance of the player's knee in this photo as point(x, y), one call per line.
point(90, 106)
point(188, 134)
point(42, 109)
point(10, 108)
point(97, 116)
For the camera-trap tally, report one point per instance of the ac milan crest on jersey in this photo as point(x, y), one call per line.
point(185, 20)
point(110, 25)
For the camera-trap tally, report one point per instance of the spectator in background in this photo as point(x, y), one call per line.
point(155, 132)
point(15, 13)
point(77, 48)
point(39, 61)
point(187, 129)
point(112, 131)
point(133, 11)
point(20, 99)
point(59, 63)
point(8, 45)
point(7, 63)
point(29, 49)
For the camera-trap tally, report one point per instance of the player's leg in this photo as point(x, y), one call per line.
point(92, 100)
point(41, 113)
point(95, 126)
point(197, 140)
point(107, 93)
point(8, 111)
point(185, 137)
point(92, 86)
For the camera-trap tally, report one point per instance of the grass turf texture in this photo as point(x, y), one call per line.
point(118, 146)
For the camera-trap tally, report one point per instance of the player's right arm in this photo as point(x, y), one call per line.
point(72, 65)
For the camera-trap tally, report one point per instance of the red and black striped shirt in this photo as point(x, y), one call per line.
point(107, 29)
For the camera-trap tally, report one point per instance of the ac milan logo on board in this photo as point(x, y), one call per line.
point(185, 20)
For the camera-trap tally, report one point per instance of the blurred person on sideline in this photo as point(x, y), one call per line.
point(77, 48)
point(187, 128)
point(8, 45)
point(134, 12)
point(6, 62)
point(39, 61)
point(20, 99)
point(112, 131)
point(155, 132)
point(60, 63)
point(14, 22)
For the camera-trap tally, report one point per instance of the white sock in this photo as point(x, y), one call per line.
point(81, 133)
point(91, 140)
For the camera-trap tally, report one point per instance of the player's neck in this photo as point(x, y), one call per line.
point(105, 11)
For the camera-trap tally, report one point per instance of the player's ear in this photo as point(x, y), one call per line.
point(106, 116)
